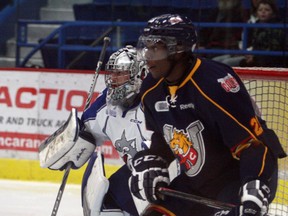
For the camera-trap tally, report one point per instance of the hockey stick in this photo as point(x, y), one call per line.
point(61, 190)
point(96, 74)
point(197, 199)
point(90, 94)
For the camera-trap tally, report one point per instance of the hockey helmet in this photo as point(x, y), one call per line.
point(174, 31)
point(124, 76)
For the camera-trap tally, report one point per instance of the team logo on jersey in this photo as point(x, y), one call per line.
point(126, 148)
point(188, 146)
point(229, 83)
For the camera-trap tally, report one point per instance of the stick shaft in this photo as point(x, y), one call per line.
point(96, 74)
point(196, 199)
point(61, 190)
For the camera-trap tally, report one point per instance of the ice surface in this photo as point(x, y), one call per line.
point(21, 198)
point(27, 198)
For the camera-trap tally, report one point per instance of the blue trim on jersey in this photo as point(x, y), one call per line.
point(95, 107)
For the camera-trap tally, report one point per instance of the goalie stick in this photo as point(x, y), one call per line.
point(61, 190)
point(96, 74)
point(88, 101)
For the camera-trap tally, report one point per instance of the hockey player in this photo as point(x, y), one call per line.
point(114, 116)
point(202, 115)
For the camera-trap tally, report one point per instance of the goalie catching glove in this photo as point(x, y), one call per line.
point(67, 144)
point(148, 173)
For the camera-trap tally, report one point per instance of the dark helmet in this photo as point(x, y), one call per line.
point(177, 32)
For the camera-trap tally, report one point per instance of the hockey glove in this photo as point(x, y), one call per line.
point(254, 199)
point(149, 172)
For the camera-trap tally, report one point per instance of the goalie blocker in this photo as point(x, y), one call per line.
point(67, 144)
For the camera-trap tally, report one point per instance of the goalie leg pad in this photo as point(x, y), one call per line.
point(94, 186)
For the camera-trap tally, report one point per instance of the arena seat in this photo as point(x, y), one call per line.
point(87, 62)
point(103, 1)
point(197, 11)
point(93, 12)
point(5, 3)
point(160, 3)
point(77, 37)
point(195, 4)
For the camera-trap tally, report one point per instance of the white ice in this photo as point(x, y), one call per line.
point(24, 198)
point(21, 198)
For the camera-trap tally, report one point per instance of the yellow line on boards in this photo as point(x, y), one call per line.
point(30, 170)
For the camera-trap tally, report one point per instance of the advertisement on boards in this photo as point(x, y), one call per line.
point(35, 103)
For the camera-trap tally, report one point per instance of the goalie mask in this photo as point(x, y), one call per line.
point(124, 77)
point(173, 32)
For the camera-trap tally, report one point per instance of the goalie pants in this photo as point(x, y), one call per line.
point(118, 195)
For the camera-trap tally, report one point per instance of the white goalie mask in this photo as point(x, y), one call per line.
point(124, 77)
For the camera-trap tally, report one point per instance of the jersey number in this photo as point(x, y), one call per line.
point(258, 130)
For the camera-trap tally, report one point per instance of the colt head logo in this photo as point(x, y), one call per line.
point(183, 148)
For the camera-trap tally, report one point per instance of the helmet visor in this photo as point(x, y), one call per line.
point(154, 47)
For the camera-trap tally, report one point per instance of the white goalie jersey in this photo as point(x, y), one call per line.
point(125, 129)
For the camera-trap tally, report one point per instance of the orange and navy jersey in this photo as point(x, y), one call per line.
point(205, 119)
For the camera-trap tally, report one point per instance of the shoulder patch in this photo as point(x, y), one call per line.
point(229, 83)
